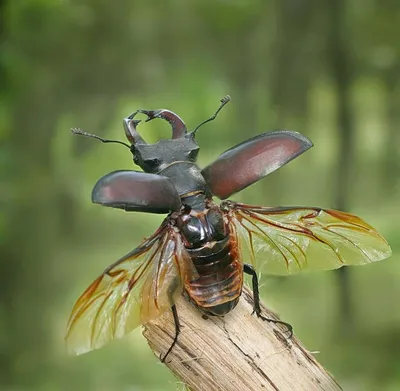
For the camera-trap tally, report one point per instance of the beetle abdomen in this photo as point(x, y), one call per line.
point(219, 286)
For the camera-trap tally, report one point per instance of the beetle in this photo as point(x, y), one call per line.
point(203, 249)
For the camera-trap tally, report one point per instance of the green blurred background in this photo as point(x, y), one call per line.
point(329, 69)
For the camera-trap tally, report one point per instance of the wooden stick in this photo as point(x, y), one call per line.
point(239, 352)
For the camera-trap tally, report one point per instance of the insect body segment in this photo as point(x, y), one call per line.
point(201, 249)
point(206, 237)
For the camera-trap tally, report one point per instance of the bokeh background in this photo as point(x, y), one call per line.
point(329, 69)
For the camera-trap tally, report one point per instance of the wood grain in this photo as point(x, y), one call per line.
point(236, 353)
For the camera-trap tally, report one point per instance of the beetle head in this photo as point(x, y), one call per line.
point(153, 158)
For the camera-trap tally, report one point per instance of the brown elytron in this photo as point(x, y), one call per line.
point(202, 249)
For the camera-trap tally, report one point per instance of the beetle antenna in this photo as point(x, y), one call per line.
point(224, 101)
point(103, 140)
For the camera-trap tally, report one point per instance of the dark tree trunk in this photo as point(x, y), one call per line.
point(391, 157)
point(340, 61)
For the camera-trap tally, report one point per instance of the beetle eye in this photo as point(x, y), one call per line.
point(154, 162)
point(193, 154)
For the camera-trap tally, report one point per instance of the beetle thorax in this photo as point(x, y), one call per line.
point(201, 227)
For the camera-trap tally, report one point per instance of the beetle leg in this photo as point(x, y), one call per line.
point(177, 332)
point(248, 269)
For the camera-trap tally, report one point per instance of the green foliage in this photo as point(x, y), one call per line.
point(90, 63)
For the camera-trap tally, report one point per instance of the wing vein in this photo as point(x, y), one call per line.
point(270, 239)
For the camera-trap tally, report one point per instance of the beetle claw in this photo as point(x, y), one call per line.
point(133, 114)
point(131, 133)
point(128, 120)
point(151, 114)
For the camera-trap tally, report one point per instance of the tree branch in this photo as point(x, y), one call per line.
point(235, 353)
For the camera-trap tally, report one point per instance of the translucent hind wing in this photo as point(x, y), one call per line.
point(135, 289)
point(287, 240)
